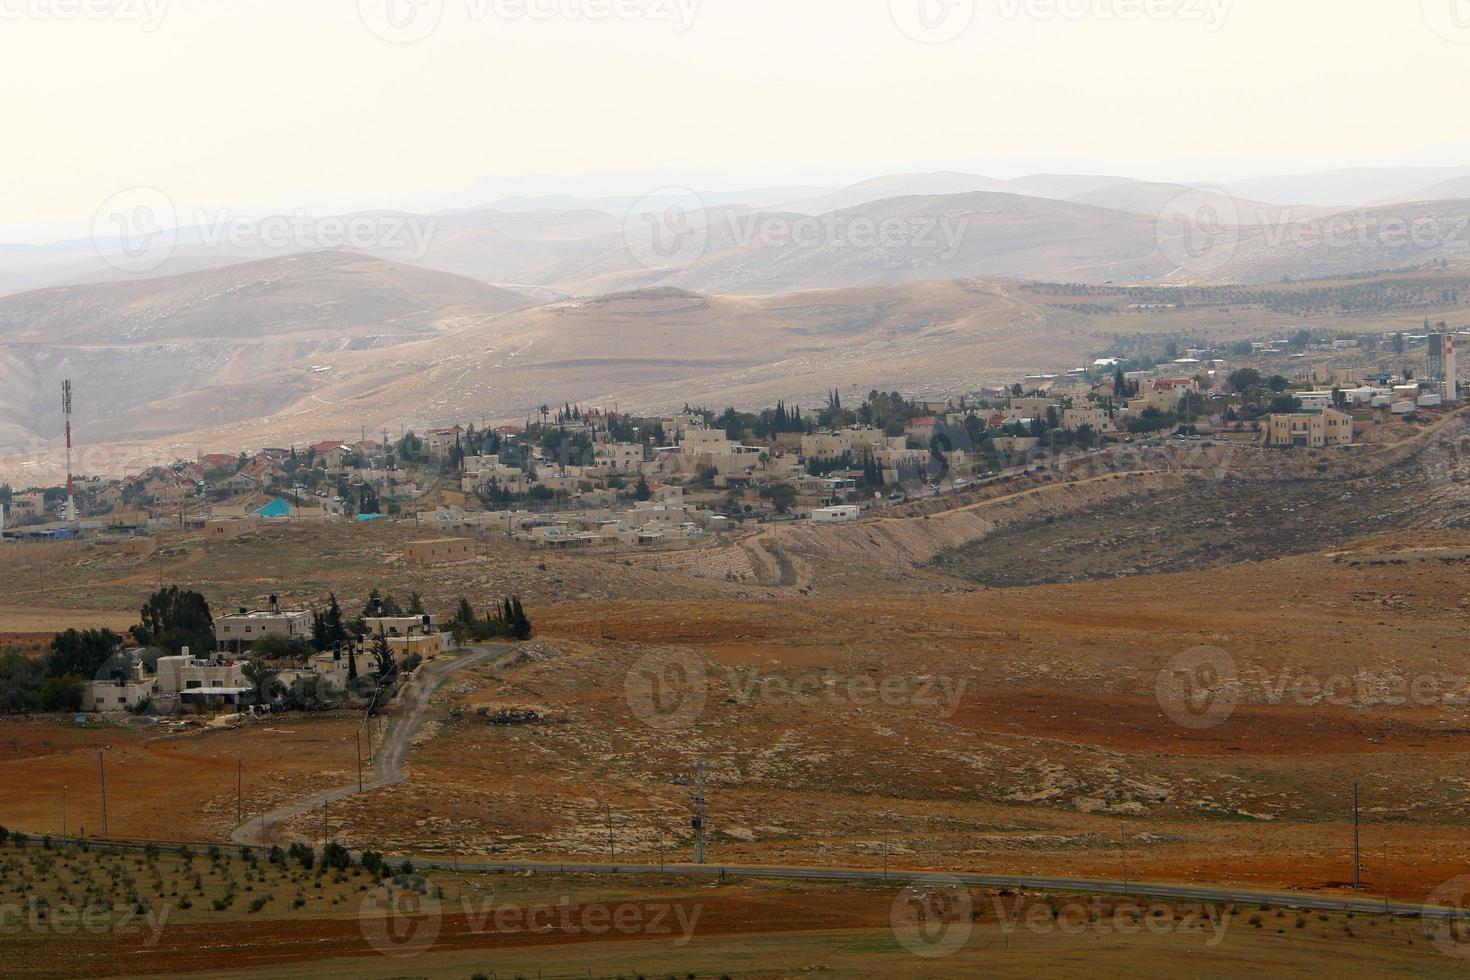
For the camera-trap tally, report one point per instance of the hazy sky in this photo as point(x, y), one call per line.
point(281, 104)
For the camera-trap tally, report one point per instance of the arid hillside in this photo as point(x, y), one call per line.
point(651, 350)
point(158, 357)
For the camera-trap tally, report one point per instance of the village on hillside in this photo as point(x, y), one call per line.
point(574, 477)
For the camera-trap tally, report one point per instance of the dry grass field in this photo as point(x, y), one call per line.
point(844, 720)
point(220, 914)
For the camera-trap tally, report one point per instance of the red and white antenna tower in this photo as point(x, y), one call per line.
point(71, 500)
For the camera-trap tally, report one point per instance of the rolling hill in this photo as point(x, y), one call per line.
point(1400, 236)
point(236, 342)
point(649, 349)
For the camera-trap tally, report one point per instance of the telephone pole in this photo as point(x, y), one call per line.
point(699, 828)
point(1385, 878)
point(239, 792)
point(887, 829)
point(1357, 861)
point(1123, 843)
point(612, 850)
point(359, 761)
point(102, 781)
point(63, 811)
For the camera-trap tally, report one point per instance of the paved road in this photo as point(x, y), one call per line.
point(1198, 893)
point(403, 724)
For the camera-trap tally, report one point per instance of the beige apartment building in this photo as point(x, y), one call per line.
point(237, 632)
point(1311, 430)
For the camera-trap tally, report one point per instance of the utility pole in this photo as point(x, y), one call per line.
point(699, 828)
point(612, 851)
point(887, 829)
point(660, 849)
point(1385, 878)
point(63, 811)
point(1357, 862)
point(1123, 842)
point(239, 792)
point(358, 739)
point(324, 824)
point(102, 781)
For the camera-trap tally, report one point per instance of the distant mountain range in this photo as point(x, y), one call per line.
point(894, 280)
point(1090, 228)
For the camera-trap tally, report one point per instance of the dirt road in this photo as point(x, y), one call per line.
point(405, 721)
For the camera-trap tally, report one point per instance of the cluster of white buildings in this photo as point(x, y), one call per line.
point(187, 682)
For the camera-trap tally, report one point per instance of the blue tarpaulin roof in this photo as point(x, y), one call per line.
point(369, 517)
point(280, 507)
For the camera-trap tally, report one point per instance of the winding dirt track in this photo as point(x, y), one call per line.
point(392, 753)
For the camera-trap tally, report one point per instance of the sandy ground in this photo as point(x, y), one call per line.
point(1023, 732)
